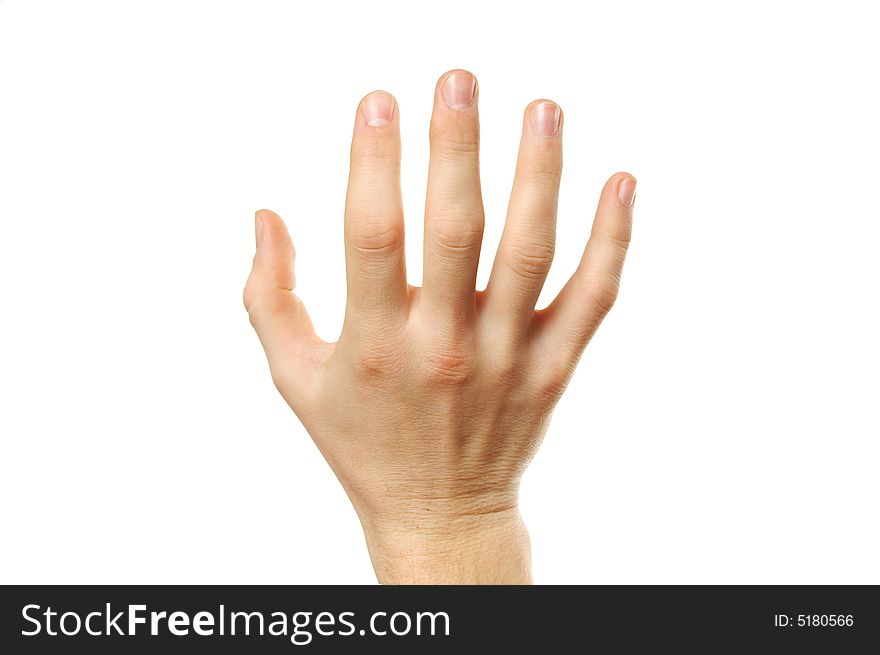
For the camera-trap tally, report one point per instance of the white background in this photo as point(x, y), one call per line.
point(723, 425)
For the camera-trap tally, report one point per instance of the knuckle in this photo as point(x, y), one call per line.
point(376, 361)
point(368, 154)
point(277, 303)
point(458, 147)
point(372, 234)
point(531, 260)
point(603, 292)
point(448, 367)
point(618, 234)
point(458, 235)
point(455, 143)
point(619, 239)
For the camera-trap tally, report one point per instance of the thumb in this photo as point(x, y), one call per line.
point(278, 316)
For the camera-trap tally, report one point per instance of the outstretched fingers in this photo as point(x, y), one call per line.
point(374, 242)
point(454, 204)
point(567, 325)
point(528, 242)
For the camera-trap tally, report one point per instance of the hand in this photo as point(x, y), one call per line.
point(434, 399)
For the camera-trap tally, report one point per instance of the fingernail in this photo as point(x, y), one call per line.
point(546, 118)
point(378, 109)
point(458, 90)
point(258, 228)
point(627, 191)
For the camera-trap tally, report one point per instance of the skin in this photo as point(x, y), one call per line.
point(433, 401)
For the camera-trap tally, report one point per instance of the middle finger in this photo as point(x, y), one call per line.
point(454, 204)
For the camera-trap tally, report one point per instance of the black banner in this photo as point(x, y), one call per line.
point(278, 619)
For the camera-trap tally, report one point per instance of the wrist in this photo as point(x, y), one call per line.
point(482, 548)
